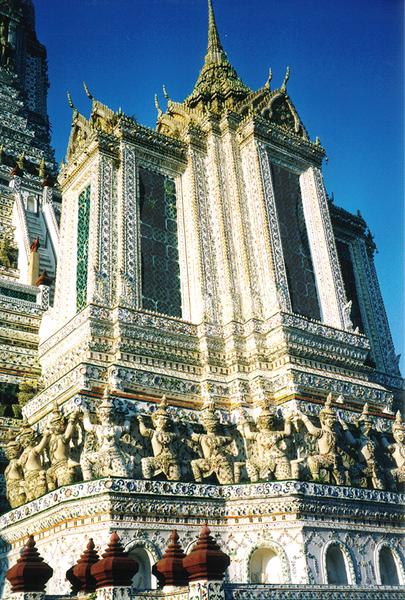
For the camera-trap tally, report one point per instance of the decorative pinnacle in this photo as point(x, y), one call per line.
point(159, 110)
point(165, 94)
point(70, 101)
point(286, 78)
point(269, 78)
point(214, 43)
point(88, 93)
point(217, 76)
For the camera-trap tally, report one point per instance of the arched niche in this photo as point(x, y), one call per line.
point(145, 554)
point(266, 566)
point(389, 566)
point(338, 568)
point(31, 204)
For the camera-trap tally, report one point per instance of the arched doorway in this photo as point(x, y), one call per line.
point(265, 566)
point(143, 579)
point(388, 567)
point(336, 568)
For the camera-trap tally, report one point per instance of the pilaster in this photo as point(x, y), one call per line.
point(377, 322)
point(200, 242)
point(280, 294)
point(332, 298)
point(235, 202)
point(228, 297)
point(102, 238)
point(128, 255)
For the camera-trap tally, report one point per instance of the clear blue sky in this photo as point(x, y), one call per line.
point(346, 82)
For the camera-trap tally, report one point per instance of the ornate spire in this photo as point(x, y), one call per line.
point(218, 84)
point(215, 52)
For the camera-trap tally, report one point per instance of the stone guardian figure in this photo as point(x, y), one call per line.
point(366, 448)
point(163, 439)
point(109, 459)
point(269, 458)
point(62, 470)
point(14, 475)
point(328, 437)
point(31, 461)
point(218, 450)
point(397, 450)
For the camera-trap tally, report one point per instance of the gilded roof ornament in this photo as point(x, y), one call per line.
point(88, 93)
point(159, 110)
point(70, 101)
point(286, 78)
point(165, 94)
point(218, 83)
point(269, 78)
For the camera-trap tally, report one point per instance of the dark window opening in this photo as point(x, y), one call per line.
point(295, 243)
point(160, 270)
point(349, 281)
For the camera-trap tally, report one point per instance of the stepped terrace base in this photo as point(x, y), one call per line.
point(296, 521)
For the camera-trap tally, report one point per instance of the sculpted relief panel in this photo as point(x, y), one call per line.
point(125, 440)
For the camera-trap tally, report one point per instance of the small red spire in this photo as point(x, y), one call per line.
point(169, 570)
point(206, 560)
point(115, 568)
point(43, 279)
point(79, 576)
point(30, 573)
point(16, 172)
point(48, 181)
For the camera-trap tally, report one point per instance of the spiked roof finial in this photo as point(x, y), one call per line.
point(214, 43)
point(269, 78)
point(88, 93)
point(159, 110)
point(165, 94)
point(70, 101)
point(217, 76)
point(286, 78)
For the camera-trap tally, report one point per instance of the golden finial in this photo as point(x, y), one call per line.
point(317, 141)
point(159, 110)
point(214, 44)
point(269, 78)
point(286, 78)
point(166, 95)
point(69, 97)
point(88, 93)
